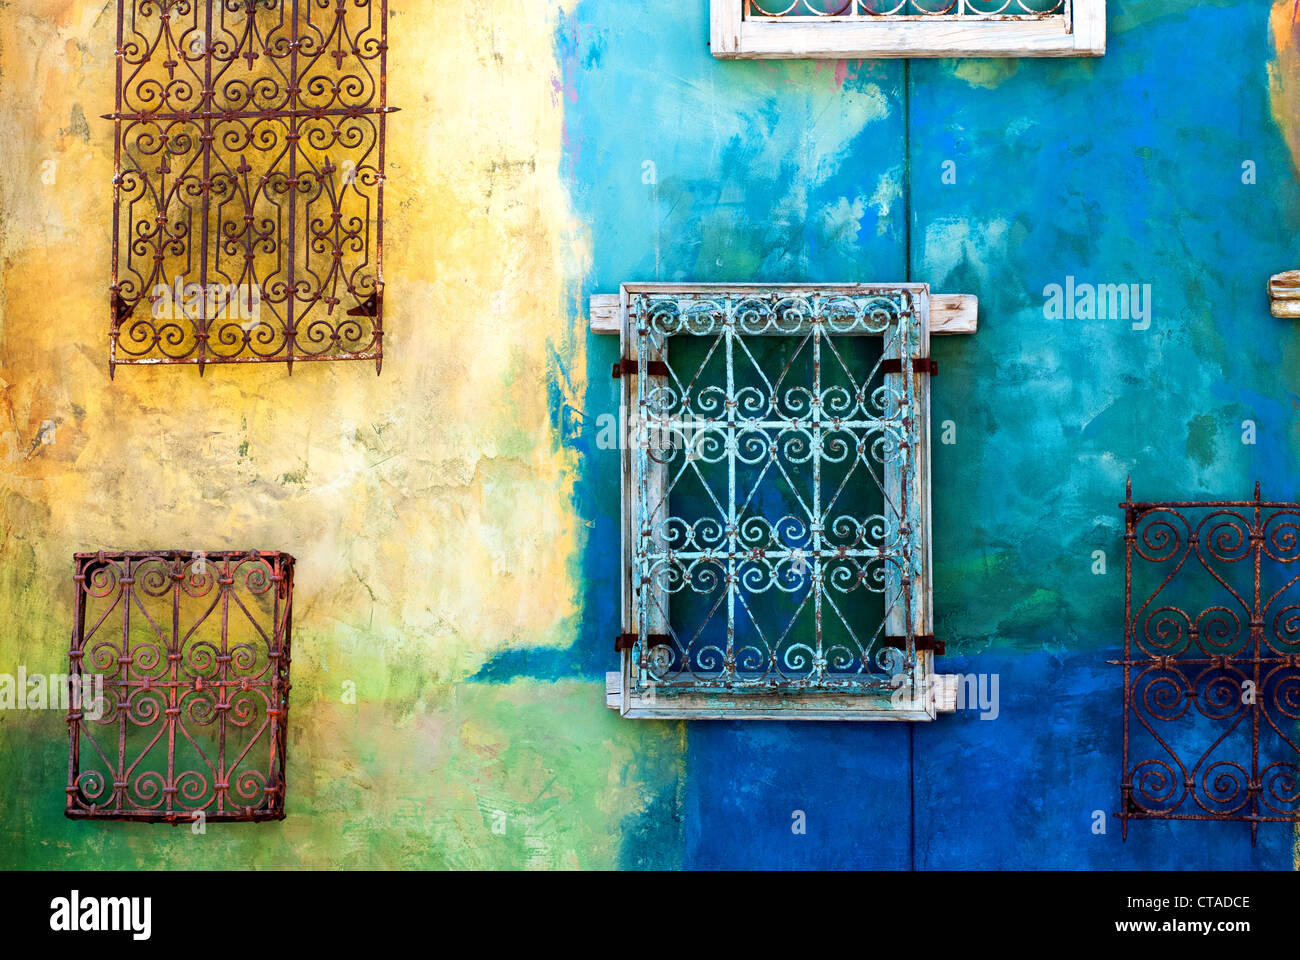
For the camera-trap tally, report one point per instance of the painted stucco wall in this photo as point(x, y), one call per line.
point(455, 521)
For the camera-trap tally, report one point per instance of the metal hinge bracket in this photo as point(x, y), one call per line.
point(925, 641)
point(625, 641)
point(919, 365)
point(653, 368)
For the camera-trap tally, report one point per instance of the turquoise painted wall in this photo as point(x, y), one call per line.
point(1128, 169)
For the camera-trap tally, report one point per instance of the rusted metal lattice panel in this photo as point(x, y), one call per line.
point(193, 652)
point(1211, 661)
point(778, 483)
point(906, 9)
point(248, 181)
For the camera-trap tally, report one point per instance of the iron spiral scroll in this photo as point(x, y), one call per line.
point(907, 9)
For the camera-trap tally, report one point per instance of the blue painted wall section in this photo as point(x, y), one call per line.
point(1125, 170)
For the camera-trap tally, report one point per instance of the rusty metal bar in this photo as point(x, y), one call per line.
point(761, 512)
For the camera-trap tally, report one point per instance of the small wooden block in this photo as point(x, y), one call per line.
point(1284, 294)
point(945, 692)
point(953, 313)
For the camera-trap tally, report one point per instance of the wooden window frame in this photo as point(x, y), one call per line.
point(931, 693)
point(1080, 33)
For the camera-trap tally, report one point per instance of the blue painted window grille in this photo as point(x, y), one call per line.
point(778, 478)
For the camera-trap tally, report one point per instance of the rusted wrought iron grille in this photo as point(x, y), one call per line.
point(248, 181)
point(1211, 661)
point(193, 651)
point(777, 527)
point(906, 9)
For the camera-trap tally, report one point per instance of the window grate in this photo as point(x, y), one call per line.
point(179, 666)
point(1211, 661)
point(779, 488)
point(905, 9)
point(248, 181)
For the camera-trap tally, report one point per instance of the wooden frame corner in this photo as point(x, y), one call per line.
point(1284, 294)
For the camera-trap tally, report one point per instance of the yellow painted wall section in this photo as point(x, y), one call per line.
point(430, 507)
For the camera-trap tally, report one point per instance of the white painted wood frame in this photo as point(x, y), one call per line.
point(1079, 32)
point(933, 693)
point(950, 313)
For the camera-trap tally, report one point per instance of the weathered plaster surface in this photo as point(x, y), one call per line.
point(456, 522)
point(431, 509)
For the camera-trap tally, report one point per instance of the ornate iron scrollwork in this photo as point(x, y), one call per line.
point(180, 685)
